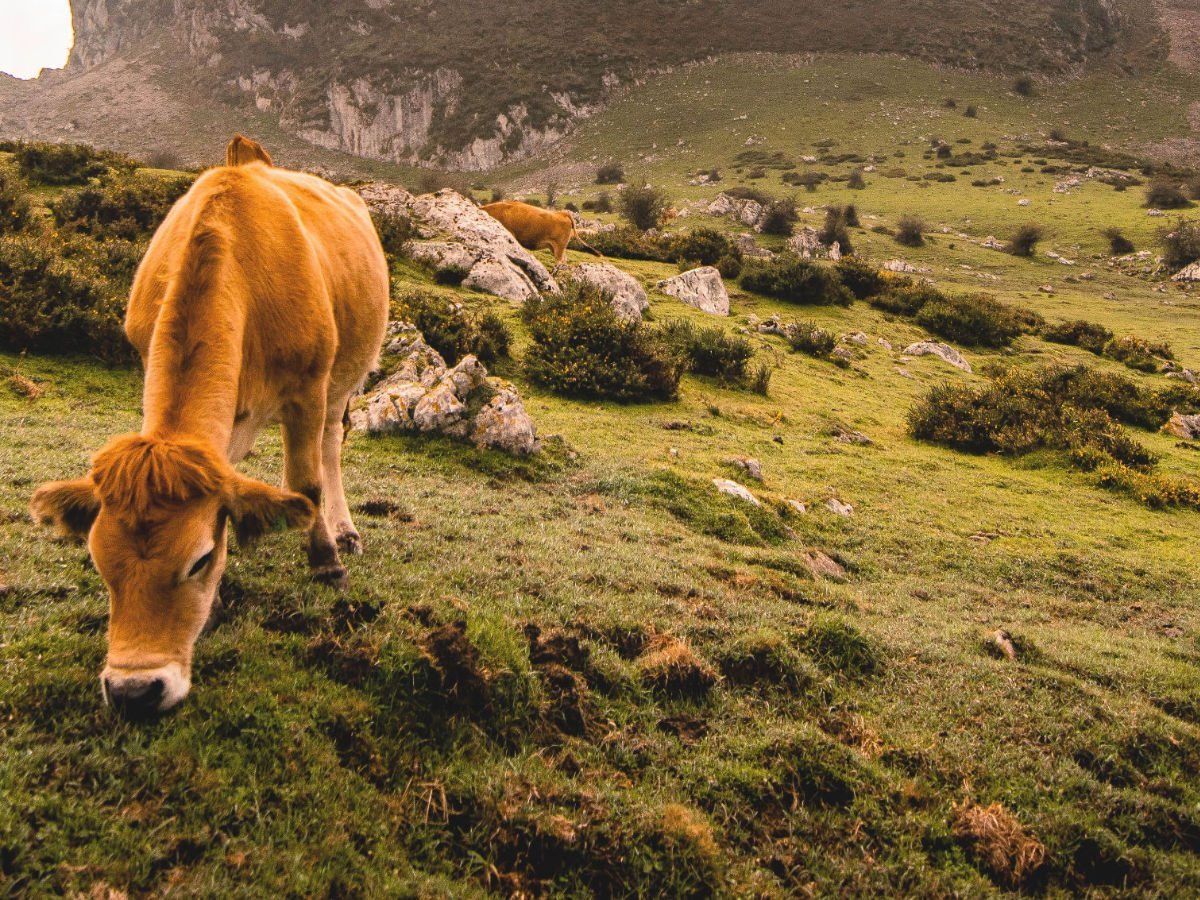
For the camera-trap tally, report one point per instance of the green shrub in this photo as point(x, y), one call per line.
point(1080, 333)
point(610, 173)
point(744, 192)
point(129, 207)
point(627, 242)
point(1023, 85)
point(796, 280)
point(910, 231)
point(836, 230)
point(906, 297)
point(1181, 244)
point(850, 215)
point(730, 266)
point(1165, 194)
point(57, 164)
point(704, 245)
point(1025, 240)
point(642, 205)
point(64, 295)
point(395, 230)
point(453, 331)
point(862, 279)
point(856, 182)
point(1137, 353)
point(760, 379)
point(810, 338)
point(16, 212)
point(971, 112)
point(602, 203)
point(807, 180)
point(709, 351)
point(779, 218)
point(973, 319)
point(582, 348)
point(1118, 244)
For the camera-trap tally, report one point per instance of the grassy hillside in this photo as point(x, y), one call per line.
point(826, 732)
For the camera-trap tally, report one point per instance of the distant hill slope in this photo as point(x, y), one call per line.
point(476, 83)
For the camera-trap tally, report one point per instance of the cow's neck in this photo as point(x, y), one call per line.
point(194, 368)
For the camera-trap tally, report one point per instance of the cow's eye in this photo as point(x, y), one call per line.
point(200, 565)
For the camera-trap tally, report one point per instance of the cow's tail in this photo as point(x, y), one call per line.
point(242, 150)
point(575, 235)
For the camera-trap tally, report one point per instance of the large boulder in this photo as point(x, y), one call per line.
point(466, 239)
point(747, 212)
point(944, 352)
point(701, 288)
point(628, 296)
point(1181, 426)
point(424, 395)
point(1188, 273)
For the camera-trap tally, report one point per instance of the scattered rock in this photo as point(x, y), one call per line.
point(467, 239)
point(701, 288)
point(843, 353)
point(733, 489)
point(1155, 213)
point(423, 395)
point(885, 343)
point(1185, 427)
point(845, 435)
point(838, 508)
point(1047, 289)
point(628, 296)
point(991, 243)
point(749, 247)
point(944, 352)
point(797, 507)
point(822, 565)
point(855, 337)
point(752, 467)
point(903, 267)
point(1024, 202)
point(1189, 273)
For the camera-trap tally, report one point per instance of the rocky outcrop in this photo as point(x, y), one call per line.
point(465, 239)
point(1188, 273)
point(424, 396)
point(1185, 427)
point(944, 352)
point(701, 288)
point(628, 296)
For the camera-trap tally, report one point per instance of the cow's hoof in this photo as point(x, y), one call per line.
point(350, 542)
point(334, 576)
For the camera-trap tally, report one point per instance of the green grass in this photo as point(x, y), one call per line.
point(338, 744)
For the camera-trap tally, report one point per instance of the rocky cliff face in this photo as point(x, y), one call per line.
point(473, 84)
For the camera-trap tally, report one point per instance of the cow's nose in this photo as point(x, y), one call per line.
point(134, 697)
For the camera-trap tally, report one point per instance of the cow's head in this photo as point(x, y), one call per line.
point(154, 513)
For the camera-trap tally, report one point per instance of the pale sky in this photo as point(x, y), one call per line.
point(33, 34)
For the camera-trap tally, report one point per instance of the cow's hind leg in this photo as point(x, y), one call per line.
point(304, 427)
point(337, 511)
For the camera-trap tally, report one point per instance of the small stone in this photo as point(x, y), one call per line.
point(752, 467)
point(733, 489)
point(797, 507)
point(944, 352)
point(837, 507)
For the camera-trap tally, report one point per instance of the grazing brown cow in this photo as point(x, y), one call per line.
point(262, 298)
point(534, 228)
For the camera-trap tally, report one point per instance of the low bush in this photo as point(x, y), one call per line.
point(1072, 411)
point(779, 218)
point(1137, 353)
point(796, 280)
point(1118, 244)
point(808, 180)
point(64, 295)
point(730, 266)
point(856, 182)
point(602, 203)
point(581, 348)
point(972, 319)
point(707, 246)
point(862, 279)
point(1023, 85)
point(1025, 240)
point(810, 338)
point(395, 230)
point(836, 229)
point(627, 242)
point(1080, 333)
point(128, 207)
point(1181, 244)
point(742, 192)
point(453, 331)
point(1166, 194)
point(58, 164)
point(971, 112)
point(16, 212)
point(710, 351)
point(642, 205)
point(910, 231)
point(610, 173)
point(905, 297)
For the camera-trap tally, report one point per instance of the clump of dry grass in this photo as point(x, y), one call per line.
point(25, 387)
point(1000, 843)
point(672, 667)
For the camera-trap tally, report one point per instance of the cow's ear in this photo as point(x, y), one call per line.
point(69, 506)
point(256, 508)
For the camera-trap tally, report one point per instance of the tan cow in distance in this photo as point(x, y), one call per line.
point(263, 297)
point(535, 228)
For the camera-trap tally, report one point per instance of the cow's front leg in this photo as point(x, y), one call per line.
point(303, 430)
